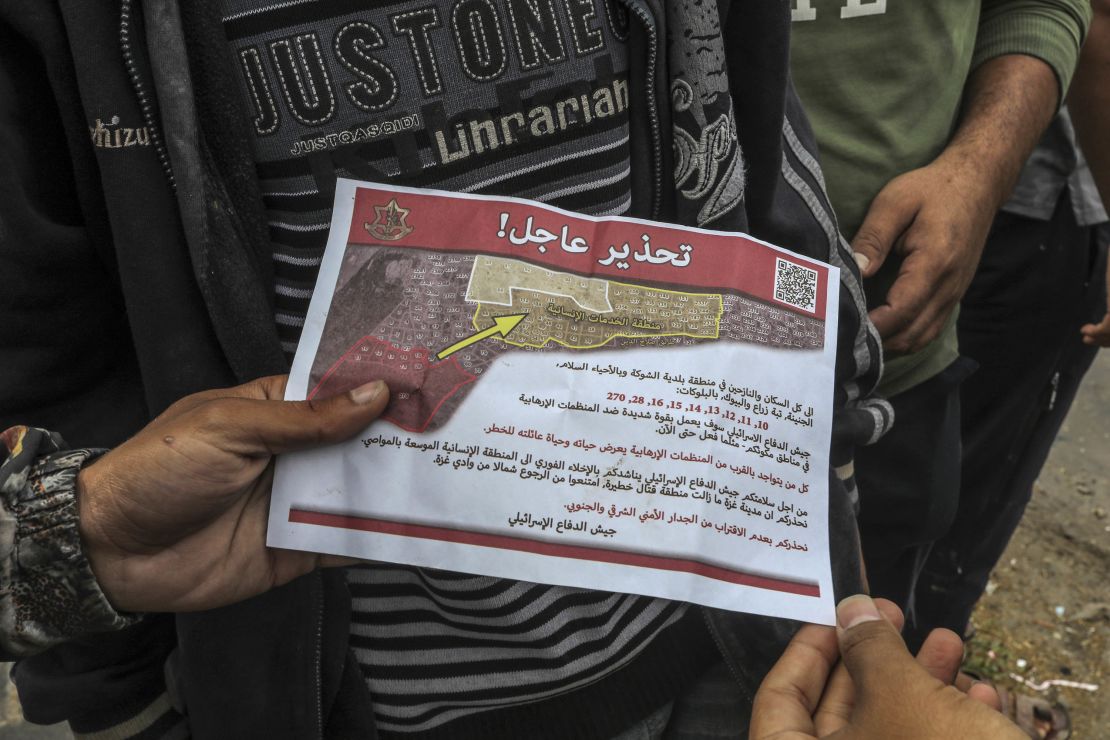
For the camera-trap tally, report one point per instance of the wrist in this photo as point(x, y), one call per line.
point(974, 175)
point(87, 526)
point(98, 548)
point(1008, 102)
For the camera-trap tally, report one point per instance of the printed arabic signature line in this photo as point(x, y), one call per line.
point(551, 549)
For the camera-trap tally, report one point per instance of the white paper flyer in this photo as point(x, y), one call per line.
point(605, 403)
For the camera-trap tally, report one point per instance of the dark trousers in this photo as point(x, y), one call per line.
point(909, 484)
point(1038, 282)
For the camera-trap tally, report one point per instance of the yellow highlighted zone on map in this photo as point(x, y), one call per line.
point(636, 312)
point(496, 279)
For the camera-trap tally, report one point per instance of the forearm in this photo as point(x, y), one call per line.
point(1089, 98)
point(1025, 54)
point(1008, 103)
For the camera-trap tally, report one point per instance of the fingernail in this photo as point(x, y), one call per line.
point(856, 610)
point(862, 261)
point(367, 393)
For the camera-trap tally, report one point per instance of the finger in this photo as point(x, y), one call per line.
point(890, 321)
point(886, 219)
point(1097, 334)
point(941, 655)
point(933, 320)
point(871, 648)
point(963, 682)
point(280, 566)
point(905, 304)
point(926, 322)
point(789, 694)
point(271, 387)
point(984, 693)
point(253, 427)
point(835, 708)
point(838, 701)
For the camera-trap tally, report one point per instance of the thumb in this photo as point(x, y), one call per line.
point(871, 648)
point(254, 427)
point(886, 219)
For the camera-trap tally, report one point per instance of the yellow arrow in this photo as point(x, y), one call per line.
point(501, 325)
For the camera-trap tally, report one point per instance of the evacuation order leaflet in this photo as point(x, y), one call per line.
point(604, 403)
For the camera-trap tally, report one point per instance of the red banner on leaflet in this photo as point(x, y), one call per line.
point(622, 249)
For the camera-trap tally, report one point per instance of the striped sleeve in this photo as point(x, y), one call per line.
point(157, 721)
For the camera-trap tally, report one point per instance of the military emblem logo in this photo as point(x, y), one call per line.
point(389, 222)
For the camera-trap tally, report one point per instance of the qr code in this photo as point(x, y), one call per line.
point(795, 285)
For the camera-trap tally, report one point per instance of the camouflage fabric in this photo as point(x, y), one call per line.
point(48, 593)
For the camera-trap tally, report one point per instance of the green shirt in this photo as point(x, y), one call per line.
point(882, 82)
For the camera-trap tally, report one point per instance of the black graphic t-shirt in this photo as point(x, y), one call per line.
point(527, 98)
point(514, 97)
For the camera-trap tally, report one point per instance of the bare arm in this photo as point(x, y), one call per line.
point(1089, 103)
point(938, 216)
point(1010, 101)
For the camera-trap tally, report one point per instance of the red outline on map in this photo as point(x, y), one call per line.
point(431, 417)
point(577, 552)
point(470, 378)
